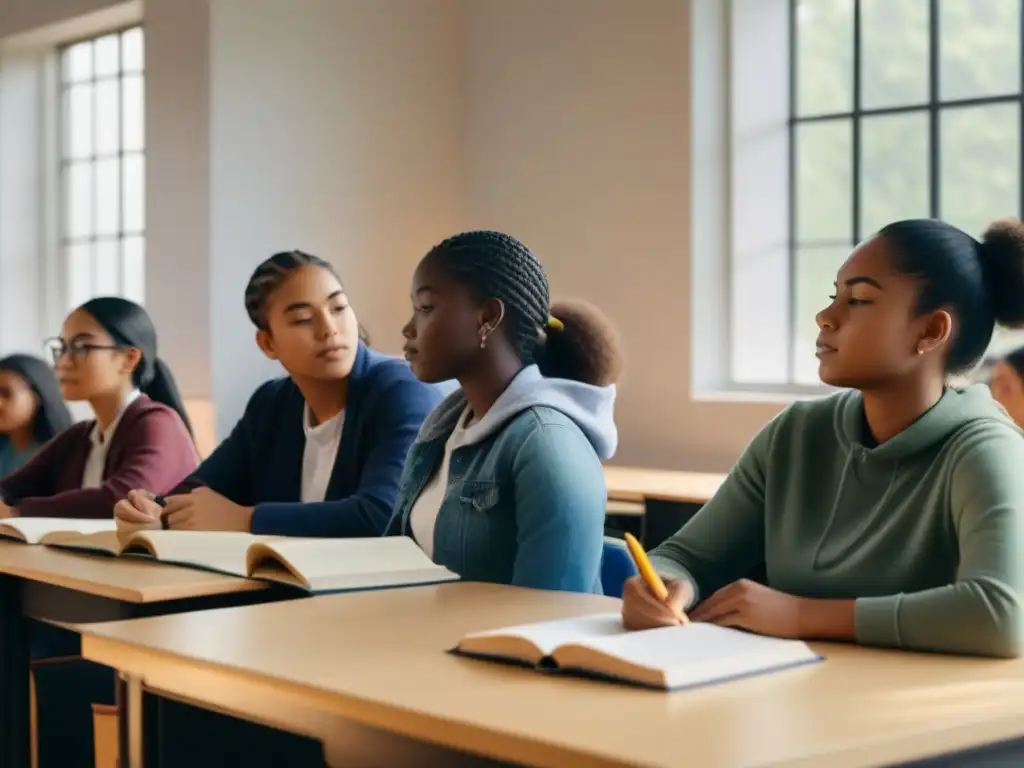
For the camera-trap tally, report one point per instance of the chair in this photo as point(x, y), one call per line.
point(616, 566)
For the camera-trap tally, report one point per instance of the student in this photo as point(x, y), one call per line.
point(1007, 384)
point(32, 410)
point(106, 355)
point(318, 453)
point(890, 514)
point(504, 483)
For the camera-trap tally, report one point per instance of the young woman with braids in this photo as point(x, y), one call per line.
point(106, 355)
point(889, 514)
point(504, 483)
point(318, 453)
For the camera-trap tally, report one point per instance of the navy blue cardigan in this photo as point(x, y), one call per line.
point(260, 462)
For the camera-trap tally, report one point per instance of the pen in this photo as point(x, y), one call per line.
point(161, 502)
point(648, 574)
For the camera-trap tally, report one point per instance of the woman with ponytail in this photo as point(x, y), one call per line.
point(504, 483)
point(106, 355)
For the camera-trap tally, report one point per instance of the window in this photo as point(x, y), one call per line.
point(102, 167)
point(898, 109)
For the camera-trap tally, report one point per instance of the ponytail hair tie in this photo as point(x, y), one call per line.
point(554, 324)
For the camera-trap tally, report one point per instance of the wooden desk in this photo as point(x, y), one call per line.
point(669, 498)
point(68, 589)
point(367, 674)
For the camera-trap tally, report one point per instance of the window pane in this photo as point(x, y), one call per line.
point(107, 263)
point(979, 48)
point(107, 55)
point(816, 270)
point(894, 52)
point(133, 256)
point(78, 200)
point(132, 119)
point(894, 170)
point(78, 122)
point(76, 63)
point(824, 56)
point(980, 165)
point(824, 188)
point(79, 274)
point(134, 191)
point(132, 50)
point(108, 197)
point(107, 117)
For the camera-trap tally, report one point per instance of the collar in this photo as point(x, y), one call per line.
point(99, 438)
point(324, 432)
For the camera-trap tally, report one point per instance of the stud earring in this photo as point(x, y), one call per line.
point(920, 351)
point(484, 332)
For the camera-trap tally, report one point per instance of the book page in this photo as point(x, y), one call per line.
point(101, 541)
point(546, 636)
point(35, 528)
point(326, 564)
point(683, 655)
point(222, 551)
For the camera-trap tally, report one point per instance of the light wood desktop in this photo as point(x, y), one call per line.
point(376, 660)
point(637, 485)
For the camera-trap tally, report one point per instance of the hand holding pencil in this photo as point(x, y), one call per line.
point(647, 600)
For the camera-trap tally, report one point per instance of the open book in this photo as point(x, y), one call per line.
point(315, 565)
point(46, 530)
point(669, 658)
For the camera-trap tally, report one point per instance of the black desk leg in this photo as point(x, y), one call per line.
point(14, 680)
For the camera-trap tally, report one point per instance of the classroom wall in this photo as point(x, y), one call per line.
point(335, 127)
point(578, 128)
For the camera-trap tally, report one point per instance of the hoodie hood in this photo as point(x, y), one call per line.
point(954, 410)
point(591, 409)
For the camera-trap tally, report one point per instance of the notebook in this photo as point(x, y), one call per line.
point(43, 530)
point(314, 565)
point(668, 658)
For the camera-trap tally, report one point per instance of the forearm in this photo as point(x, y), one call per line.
point(826, 619)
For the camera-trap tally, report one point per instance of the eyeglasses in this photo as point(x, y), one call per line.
point(77, 350)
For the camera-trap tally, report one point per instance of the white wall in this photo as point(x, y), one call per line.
point(578, 128)
point(336, 129)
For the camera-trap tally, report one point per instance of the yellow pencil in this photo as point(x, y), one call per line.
point(648, 574)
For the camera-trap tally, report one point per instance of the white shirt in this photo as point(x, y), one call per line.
point(319, 455)
point(425, 509)
point(96, 462)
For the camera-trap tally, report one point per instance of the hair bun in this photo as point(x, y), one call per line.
point(587, 348)
point(1002, 261)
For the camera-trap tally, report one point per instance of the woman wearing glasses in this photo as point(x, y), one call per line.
point(140, 437)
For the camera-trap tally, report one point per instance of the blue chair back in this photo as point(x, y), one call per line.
point(616, 566)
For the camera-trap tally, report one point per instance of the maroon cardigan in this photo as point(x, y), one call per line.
point(151, 449)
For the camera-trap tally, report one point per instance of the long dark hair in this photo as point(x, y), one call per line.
point(52, 414)
point(130, 325)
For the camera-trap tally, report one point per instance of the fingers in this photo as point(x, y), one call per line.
point(181, 519)
point(130, 511)
point(642, 610)
point(728, 600)
point(178, 503)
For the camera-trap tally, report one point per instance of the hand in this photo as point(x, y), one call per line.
point(206, 510)
point(6, 511)
point(137, 512)
point(642, 610)
point(745, 604)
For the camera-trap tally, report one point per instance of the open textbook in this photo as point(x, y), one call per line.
point(685, 656)
point(315, 565)
point(46, 530)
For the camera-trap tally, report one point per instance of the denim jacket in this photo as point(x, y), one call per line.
point(525, 499)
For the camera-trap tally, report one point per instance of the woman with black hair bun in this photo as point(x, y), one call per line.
point(504, 483)
point(106, 356)
point(889, 514)
point(32, 409)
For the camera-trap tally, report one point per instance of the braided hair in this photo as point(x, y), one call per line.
point(570, 340)
point(271, 275)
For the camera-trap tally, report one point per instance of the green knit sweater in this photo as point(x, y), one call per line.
point(924, 530)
